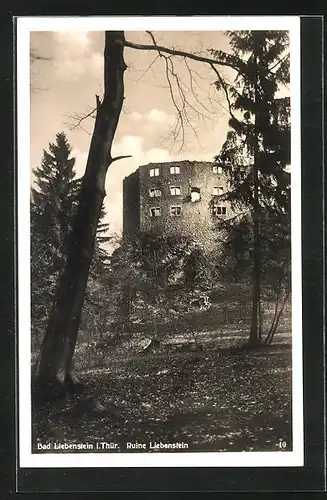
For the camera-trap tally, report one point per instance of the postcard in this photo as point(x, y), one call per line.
point(159, 242)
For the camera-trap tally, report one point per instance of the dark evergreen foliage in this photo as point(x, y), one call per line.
point(255, 157)
point(53, 206)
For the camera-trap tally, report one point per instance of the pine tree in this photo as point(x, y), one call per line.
point(54, 199)
point(257, 149)
point(53, 207)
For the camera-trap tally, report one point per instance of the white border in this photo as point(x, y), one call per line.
point(200, 459)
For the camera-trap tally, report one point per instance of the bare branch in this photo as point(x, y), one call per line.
point(121, 157)
point(34, 56)
point(84, 130)
point(79, 119)
point(178, 91)
point(184, 100)
point(192, 88)
point(180, 122)
point(148, 68)
point(214, 100)
point(152, 38)
point(279, 61)
point(224, 87)
point(177, 88)
point(174, 52)
point(180, 101)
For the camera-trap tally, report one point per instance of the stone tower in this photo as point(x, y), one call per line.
point(175, 197)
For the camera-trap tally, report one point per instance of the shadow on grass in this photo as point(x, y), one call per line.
point(236, 402)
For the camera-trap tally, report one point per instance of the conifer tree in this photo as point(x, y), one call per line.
point(257, 149)
point(53, 201)
point(53, 206)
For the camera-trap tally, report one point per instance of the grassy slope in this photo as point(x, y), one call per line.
point(211, 401)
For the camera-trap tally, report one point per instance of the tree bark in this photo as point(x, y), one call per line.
point(57, 350)
point(275, 323)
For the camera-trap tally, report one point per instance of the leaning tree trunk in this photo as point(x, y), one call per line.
point(275, 323)
point(55, 366)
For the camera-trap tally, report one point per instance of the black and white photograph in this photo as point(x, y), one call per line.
point(159, 242)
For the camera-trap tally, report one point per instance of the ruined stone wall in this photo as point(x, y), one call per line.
point(191, 191)
point(196, 181)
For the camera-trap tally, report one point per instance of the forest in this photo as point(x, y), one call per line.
point(160, 340)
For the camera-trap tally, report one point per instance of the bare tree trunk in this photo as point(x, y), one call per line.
point(274, 318)
point(278, 295)
point(274, 326)
point(57, 350)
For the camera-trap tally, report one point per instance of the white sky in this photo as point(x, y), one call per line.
point(67, 83)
